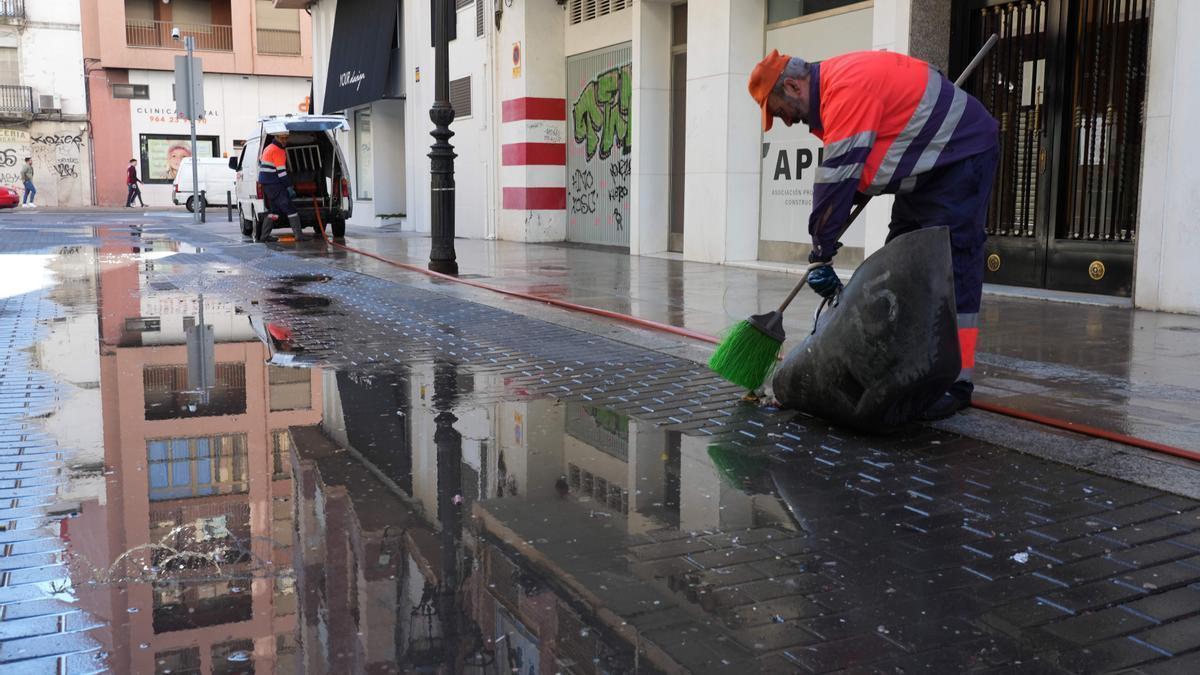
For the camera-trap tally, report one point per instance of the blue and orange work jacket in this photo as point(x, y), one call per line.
point(886, 119)
point(272, 166)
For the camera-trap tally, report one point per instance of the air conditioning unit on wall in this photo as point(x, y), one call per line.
point(49, 103)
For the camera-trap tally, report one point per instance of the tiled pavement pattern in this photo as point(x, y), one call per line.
point(41, 630)
point(924, 550)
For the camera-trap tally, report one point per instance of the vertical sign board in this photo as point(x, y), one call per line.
point(599, 144)
point(185, 98)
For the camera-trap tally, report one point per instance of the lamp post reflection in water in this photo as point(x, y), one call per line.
point(449, 477)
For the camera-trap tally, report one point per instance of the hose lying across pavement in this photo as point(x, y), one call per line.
point(1083, 429)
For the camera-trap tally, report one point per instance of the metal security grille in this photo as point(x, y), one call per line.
point(479, 12)
point(1067, 83)
point(460, 97)
point(1012, 85)
point(586, 10)
point(1106, 112)
point(599, 137)
point(459, 4)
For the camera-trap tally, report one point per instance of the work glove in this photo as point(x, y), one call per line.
point(291, 192)
point(824, 281)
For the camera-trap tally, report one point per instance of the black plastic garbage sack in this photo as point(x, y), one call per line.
point(890, 346)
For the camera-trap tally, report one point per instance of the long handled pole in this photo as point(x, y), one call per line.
point(190, 43)
point(962, 78)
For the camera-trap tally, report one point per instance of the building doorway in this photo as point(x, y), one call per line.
point(1067, 82)
point(599, 94)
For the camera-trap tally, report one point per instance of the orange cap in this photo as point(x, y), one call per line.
point(763, 79)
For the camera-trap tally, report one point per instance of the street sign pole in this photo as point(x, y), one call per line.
point(190, 43)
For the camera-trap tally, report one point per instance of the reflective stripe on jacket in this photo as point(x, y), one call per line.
point(885, 119)
point(272, 166)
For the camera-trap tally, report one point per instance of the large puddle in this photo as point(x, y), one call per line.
point(237, 505)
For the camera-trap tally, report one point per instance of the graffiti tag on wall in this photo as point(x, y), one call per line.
point(601, 113)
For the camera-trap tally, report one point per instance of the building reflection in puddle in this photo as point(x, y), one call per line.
point(445, 520)
point(187, 551)
point(284, 519)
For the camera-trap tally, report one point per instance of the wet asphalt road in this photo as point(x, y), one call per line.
point(414, 479)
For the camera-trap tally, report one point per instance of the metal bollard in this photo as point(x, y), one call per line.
point(229, 206)
point(203, 205)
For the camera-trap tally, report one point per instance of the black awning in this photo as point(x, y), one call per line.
point(358, 59)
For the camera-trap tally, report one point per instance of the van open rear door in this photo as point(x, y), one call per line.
point(307, 123)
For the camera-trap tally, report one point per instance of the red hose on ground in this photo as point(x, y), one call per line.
point(1074, 427)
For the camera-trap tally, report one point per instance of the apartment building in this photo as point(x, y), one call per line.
point(43, 105)
point(257, 60)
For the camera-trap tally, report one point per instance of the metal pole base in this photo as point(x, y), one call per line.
point(443, 266)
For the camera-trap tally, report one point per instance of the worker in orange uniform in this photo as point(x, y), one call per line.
point(893, 124)
point(277, 187)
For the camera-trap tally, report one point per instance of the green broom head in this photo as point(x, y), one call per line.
point(749, 350)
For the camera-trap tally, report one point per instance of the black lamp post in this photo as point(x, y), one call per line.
point(441, 254)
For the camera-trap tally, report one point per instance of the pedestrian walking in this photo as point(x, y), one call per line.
point(273, 176)
point(893, 124)
point(27, 180)
point(133, 185)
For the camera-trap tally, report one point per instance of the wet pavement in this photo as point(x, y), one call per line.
point(1129, 371)
point(410, 479)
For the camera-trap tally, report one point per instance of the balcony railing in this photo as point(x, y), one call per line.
point(12, 9)
point(149, 33)
point(16, 99)
point(279, 42)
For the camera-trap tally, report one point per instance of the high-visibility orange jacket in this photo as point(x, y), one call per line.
point(272, 165)
point(886, 119)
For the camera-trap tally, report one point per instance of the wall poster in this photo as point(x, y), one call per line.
point(162, 153)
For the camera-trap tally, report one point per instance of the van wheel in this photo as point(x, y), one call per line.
point(338, 225)
point(191, 204)
point(247, 225)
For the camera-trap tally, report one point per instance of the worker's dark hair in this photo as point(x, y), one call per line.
point(796, 68)
point(133, 160)
point(28, 159)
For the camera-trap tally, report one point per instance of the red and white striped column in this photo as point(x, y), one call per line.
point(533, 174)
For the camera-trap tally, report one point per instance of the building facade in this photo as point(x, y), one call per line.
point(43, 106)
point(256, 60)
point(627, 123)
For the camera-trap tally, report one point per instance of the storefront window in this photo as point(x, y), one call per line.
point(162, 154)
point(782, 10)
point(364, 174)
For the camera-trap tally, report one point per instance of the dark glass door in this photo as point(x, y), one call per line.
point(1067, 83)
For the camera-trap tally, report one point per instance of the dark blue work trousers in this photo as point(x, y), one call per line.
point(278, 200)
point(955, 196)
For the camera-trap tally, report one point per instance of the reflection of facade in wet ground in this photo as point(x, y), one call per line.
point(554, 496)
point(466, 485)
point(190, 537)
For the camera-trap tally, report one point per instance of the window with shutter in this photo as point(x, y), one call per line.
point(459, 4)
point(460, 97)
point(479, 17)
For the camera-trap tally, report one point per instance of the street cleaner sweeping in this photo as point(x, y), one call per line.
point(277, 186)
point(891, 124)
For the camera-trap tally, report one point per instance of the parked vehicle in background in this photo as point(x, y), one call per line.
point(216, 180)
point(316, 165)
point(9, 198)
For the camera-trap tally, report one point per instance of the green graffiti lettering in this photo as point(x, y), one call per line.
point(601, 113)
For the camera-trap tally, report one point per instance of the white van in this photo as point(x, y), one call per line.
point(216, 180)
point(317, 168)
